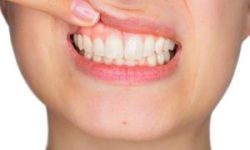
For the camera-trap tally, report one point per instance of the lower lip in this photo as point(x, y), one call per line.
point(123, 75)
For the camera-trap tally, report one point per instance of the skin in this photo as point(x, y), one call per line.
point(62, 10)
point(173, 113)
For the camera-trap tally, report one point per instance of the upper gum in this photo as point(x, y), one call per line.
point(102, 31)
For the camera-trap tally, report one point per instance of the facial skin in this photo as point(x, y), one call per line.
point(173, 113)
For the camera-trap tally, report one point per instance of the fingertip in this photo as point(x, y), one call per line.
point(84, 13)
point(79, 22)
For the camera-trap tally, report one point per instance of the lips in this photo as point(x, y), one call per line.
point(106, 69)
point(138, 25)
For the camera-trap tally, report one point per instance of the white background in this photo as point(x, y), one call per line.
point(23, 122)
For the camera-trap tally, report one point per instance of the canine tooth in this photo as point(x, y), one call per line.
point(152, 60)
point(98, 47)
point(168, 45)
point(133, 48)
point(159, 45)
point(87, 44)
point(160, 58)
point(97, 59)
point(80, 42)
point(114, 47)
point(107, 60)
point(75, 38)
point(166, 56)
point(149, 45)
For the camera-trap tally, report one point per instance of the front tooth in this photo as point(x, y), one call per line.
point(119, 62)
point(149, 45)
point(131, 63)
point(133, 48)
point(97, 59)
point(142, 62)
point(75, 38)
point(114, 47)
point(168, 45)
point(152, 61)
point(98, 47)
point(107, 60)
point(80, 42)
point(160, 58)
point(159, 45)
point(87, 44)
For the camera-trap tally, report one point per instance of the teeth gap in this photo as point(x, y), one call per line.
point(73, 43)
point(173, 52)
point(82, 52)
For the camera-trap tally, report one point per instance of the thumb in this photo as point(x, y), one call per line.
point(77, 12)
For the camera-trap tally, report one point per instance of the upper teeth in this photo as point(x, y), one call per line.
point(132, 50)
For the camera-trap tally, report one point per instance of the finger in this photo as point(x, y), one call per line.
point(77, 12)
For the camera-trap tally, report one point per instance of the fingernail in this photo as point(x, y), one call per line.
point(84, 11)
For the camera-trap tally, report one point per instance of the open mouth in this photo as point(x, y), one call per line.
point(128, 58)
point(118, 48)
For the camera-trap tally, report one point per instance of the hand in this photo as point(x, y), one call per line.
point(77, 12)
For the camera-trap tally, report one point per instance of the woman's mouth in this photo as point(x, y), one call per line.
point(118, 57)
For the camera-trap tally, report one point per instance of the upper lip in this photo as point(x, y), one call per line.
point(135, 24)
point(138, 25)
point(141, 25)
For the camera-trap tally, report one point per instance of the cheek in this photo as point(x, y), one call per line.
point(218, 29)
point(223, 18)
point(36, 43)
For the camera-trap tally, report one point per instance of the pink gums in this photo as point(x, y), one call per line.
point(102, 31)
